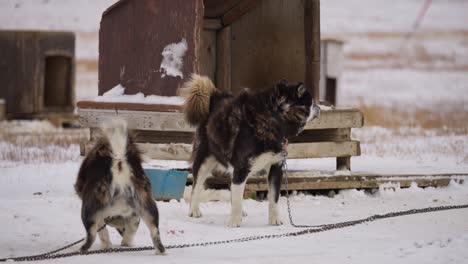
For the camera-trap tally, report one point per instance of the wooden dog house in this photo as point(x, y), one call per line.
point(37, 73)
point(238, 43)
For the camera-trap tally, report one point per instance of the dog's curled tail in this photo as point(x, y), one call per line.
point(116, 132)
point(197, 92)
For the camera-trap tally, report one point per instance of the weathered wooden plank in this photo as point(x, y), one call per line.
point(141, 120)
point(154, 151)
point(323, 149)
point(366, 184)
point(295, 150)
point(307, 180)
point(2, 109)
point(271, 34)
point(128, 106)
point(223, 59)
point(150, 136)
point(171, 121)
point(341, 118)
point(217, 8)
point(312, 46)
point(322, 135)
point(207, 53)
point(235, 13)
point(212, 24)
point(166, 151)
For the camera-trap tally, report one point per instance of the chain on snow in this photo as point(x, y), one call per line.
point(307, 229)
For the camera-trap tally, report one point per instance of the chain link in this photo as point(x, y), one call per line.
point(288, 203)
point(307, 229)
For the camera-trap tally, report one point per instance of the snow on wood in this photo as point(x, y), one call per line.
point(117, 95)
point(173, 59)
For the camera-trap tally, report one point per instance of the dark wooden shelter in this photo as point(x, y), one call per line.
point(238, 43)
point(37, 73)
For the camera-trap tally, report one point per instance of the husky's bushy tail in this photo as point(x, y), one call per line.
point(116, 132)
point(197, 92)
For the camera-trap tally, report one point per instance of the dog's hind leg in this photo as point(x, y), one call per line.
point(104, 235)
point(90, 223)
point(131, 226)
point(149, 213)
point(274, 187)
point(200, 176)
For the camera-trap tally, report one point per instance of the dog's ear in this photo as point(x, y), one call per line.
point(301, 89)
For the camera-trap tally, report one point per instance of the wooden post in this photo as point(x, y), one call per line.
point(343, 163)
point(2, 109)
point(223, 59)
point(312, 46)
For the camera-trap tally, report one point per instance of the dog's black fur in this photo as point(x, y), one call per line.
point(115, 190)
point(245, 134)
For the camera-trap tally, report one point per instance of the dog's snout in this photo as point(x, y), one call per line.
point(314, 112)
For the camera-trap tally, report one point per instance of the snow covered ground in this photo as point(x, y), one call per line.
point(39, 212)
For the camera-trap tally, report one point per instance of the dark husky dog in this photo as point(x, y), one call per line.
point(115, 190)
point(244, 136)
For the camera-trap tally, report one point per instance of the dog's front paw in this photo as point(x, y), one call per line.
point(235, 222)
point(275, 221)
point(195, 213)
point(125, 243)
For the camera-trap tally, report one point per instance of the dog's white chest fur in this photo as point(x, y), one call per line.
point(265, 160)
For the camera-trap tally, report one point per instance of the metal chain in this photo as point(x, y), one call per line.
point(308, 229)
point(288, 203)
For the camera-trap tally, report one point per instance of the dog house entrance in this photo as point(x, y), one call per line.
point(57, 82)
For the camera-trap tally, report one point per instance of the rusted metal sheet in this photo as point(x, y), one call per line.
point(23, 56)
point(132, 37)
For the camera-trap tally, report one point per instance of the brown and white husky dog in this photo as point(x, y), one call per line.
point(115, 190)
point(244, 136)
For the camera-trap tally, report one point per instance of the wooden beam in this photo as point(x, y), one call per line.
point(172, 121)
point(312, 46)
point(238, 11)
point(323, 149)
point(223, 59)
point(212, 24)
point(2, 109)
point(141, 120)
point(322, 135)
point(156, 151)
point(349, 118)
point(181, 151)
point(308, 180)
point(150, 136)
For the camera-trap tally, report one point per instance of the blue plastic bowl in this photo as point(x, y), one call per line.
point(167, 184)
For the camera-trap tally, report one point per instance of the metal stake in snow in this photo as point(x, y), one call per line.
point(417, 22)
